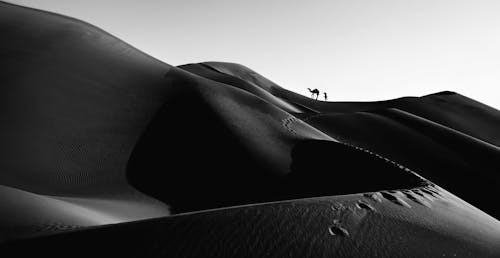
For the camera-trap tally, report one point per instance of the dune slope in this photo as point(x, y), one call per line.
point(74, 101)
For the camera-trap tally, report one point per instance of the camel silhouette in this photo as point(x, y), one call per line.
point(314, 92)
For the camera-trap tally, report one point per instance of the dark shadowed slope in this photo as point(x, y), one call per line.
point(95, 133)
point(439, 136)
point(460, 163)
point(237, 148)
point(74, 101)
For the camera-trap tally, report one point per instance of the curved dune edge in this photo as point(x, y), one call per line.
point(419, 222)
point(99, 137)
point(26, 215)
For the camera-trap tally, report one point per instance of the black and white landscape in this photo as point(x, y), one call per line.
point(109, 152)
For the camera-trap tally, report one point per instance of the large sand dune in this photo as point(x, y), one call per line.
point(108, 151)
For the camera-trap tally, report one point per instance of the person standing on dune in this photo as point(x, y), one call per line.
point(324, 94)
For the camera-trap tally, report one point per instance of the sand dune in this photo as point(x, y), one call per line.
point(422, 222)
point(74, 102)
point(107, 147)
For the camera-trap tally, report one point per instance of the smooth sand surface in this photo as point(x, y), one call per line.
point(108, 151)
point(421, 222)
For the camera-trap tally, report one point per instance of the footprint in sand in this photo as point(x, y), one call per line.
point(395, 199)
point(287, 123)
point(425, 195)
point(337, 207)
point(429, 192)
point(55, 227)
point(363, 205)
point(432, 191)
point(416, 198)
point(374, 196)
point(337, 230)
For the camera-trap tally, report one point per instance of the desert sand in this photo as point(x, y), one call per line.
point(109, 151)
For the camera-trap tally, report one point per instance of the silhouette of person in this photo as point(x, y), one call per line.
point(324, 94)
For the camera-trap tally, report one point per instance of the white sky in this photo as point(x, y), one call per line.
point(355, 50)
